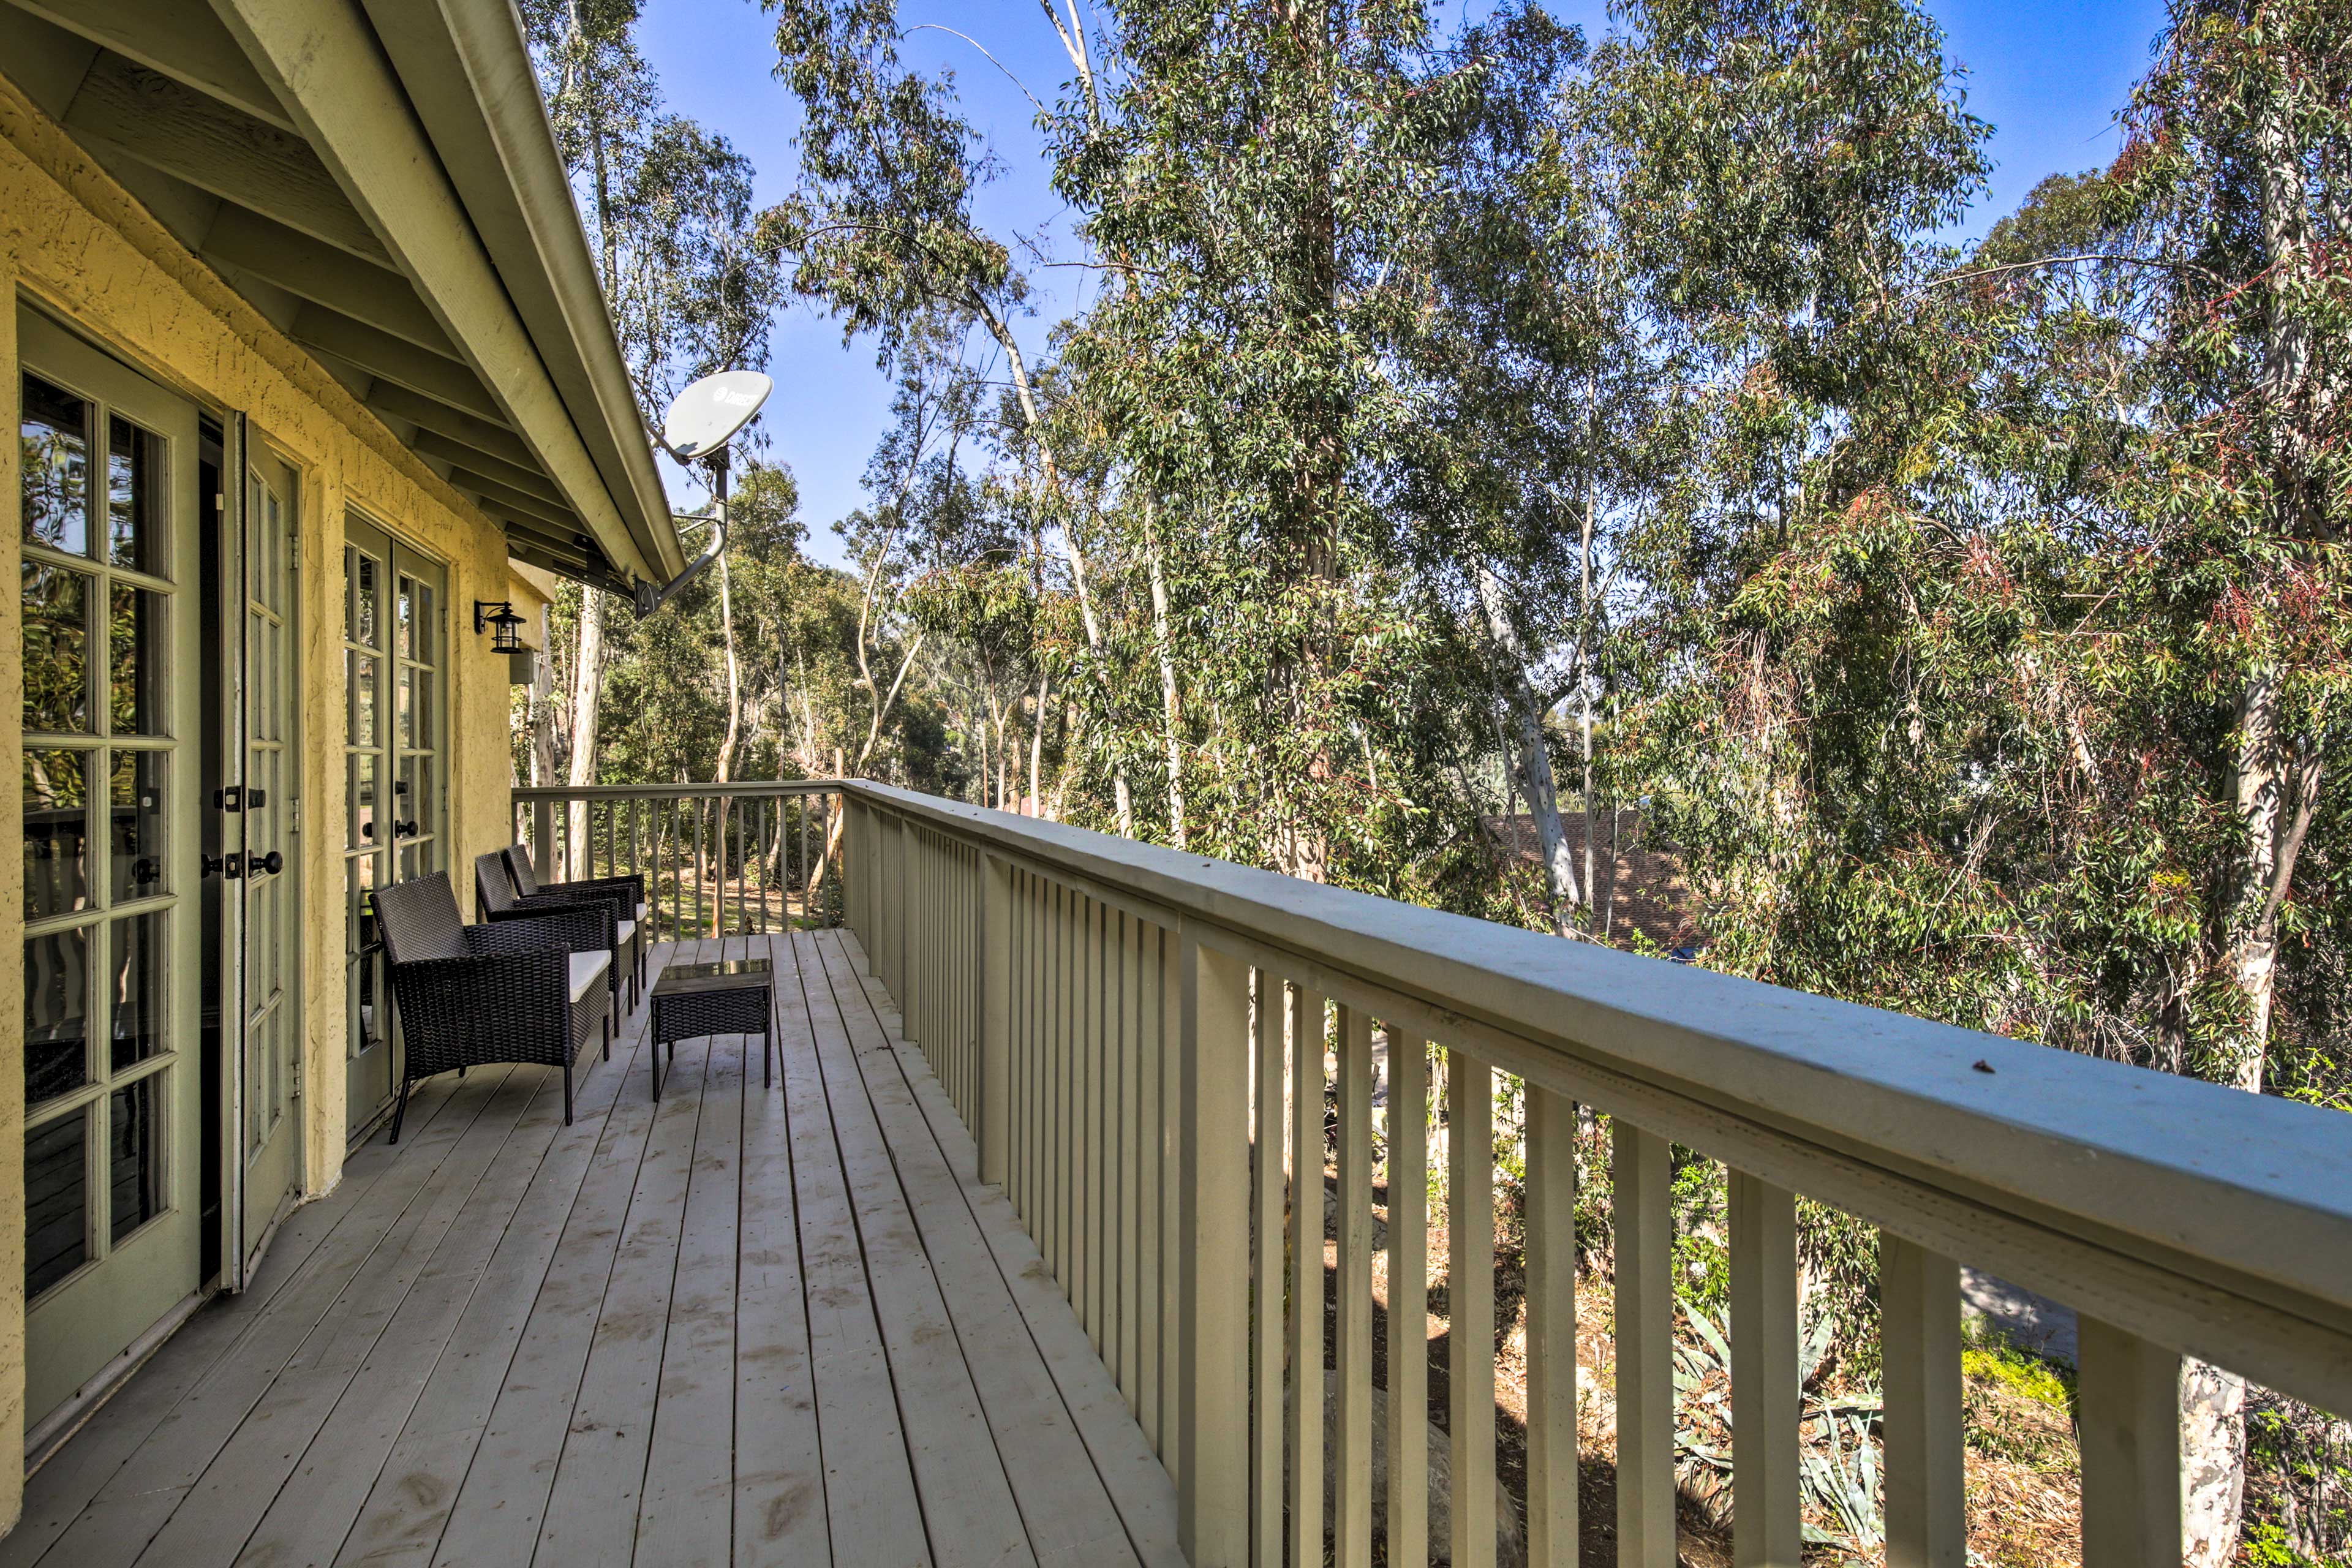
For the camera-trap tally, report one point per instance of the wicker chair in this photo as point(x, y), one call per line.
point(511, 990)
point(631, 886)
point(494, 885)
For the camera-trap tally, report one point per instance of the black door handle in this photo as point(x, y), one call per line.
point(231, 864)
point(272, 863)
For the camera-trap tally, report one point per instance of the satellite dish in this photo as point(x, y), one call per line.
point(706, 415)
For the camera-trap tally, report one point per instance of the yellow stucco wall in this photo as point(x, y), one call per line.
point(74, 243)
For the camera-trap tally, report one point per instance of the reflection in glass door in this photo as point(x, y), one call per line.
point(395, 688)
point(111, 1137)
point(269, 1136)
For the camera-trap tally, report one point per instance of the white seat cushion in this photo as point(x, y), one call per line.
point(587, 968)
point(640, 909)
point(623, 932)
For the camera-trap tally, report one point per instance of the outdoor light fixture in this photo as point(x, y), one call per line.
point(500, 614)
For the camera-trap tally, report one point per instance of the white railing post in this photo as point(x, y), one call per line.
point(2130, 1399)
point(893, 868)
point(1470, 1292)
point(1767, 1529)
point(1919, 1330)
point(1642, 1171)
point(1213, 1326)
point(1551, 1321)
point(996, 982)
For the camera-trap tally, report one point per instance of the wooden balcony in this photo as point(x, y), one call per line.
point(751, 1324)
point(1024, 1274)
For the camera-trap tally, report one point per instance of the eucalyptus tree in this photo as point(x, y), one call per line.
point(2009, 654)
point(1269, 184)
point(690, 282)
point(1538, 372)
point(884, 235)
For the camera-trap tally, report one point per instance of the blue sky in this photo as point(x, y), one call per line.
point(2048, 77)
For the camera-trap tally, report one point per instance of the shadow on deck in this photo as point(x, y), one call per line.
point(751, 1324)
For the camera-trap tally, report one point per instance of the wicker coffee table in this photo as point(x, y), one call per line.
point(732, 996)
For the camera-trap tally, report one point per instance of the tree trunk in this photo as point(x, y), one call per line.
point(2296, 395)
point(1534, 773)
point(543, 720)
point(1037, 747)
point(1170, 703)
point(587, 684)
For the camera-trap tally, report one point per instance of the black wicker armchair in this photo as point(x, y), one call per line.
point(630, 888)
point(532, 990)
point(494, 885)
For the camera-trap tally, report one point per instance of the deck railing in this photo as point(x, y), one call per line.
point(1138, 1041)
point(732, 859)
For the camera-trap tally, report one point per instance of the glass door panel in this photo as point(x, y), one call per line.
point(112, 1137)
point(392, 638)
point(269, 1131)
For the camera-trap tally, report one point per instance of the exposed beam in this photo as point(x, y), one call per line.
point(174, 128)
point(497, 497)
point(324, 275)
point(490, 436)
point(529, 480)
point(561, 542)
point(183, 41)
point(392, 359)
point(326, 65)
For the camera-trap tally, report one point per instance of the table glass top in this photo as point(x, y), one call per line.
point(750, 969)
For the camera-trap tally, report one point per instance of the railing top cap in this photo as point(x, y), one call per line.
point(2252, 1182)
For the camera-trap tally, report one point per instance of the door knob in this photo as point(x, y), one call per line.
point(231, 864)
point(272, 863)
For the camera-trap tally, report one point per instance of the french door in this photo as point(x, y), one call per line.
point(394, 638)
point(112, 718)
point(263, 807)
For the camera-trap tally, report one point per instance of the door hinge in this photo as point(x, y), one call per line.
point(294, 815)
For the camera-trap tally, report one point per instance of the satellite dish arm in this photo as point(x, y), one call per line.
point(651, 598)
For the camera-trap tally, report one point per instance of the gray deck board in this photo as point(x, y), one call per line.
point(757, 1324)
point(968, 1506)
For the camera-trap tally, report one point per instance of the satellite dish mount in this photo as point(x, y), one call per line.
point(701, 423)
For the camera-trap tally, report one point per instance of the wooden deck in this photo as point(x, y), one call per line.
point(751, 1325)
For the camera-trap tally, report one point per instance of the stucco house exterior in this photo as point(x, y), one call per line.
point(307, 363)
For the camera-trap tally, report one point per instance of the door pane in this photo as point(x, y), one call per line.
point(136, 803)
point(57, 1014)
point(362, 794)
point(365, 579)
point(56, 833)
point(362, 674)
point(57, 1201)
point(138, 664)
point(135, 1146)
point(56, 648)
point(53, 437)
point(136, 990)
point(135, 499)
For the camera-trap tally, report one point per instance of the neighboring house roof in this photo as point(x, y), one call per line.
point(1652, 892)
point(379, 179)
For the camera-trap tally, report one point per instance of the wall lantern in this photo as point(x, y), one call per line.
point(498, 614)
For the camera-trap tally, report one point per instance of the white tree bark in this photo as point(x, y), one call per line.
point(587, 687)
point(1171, 695)
point(1535, 769)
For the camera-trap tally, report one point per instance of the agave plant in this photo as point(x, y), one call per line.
point(1839, 1467)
